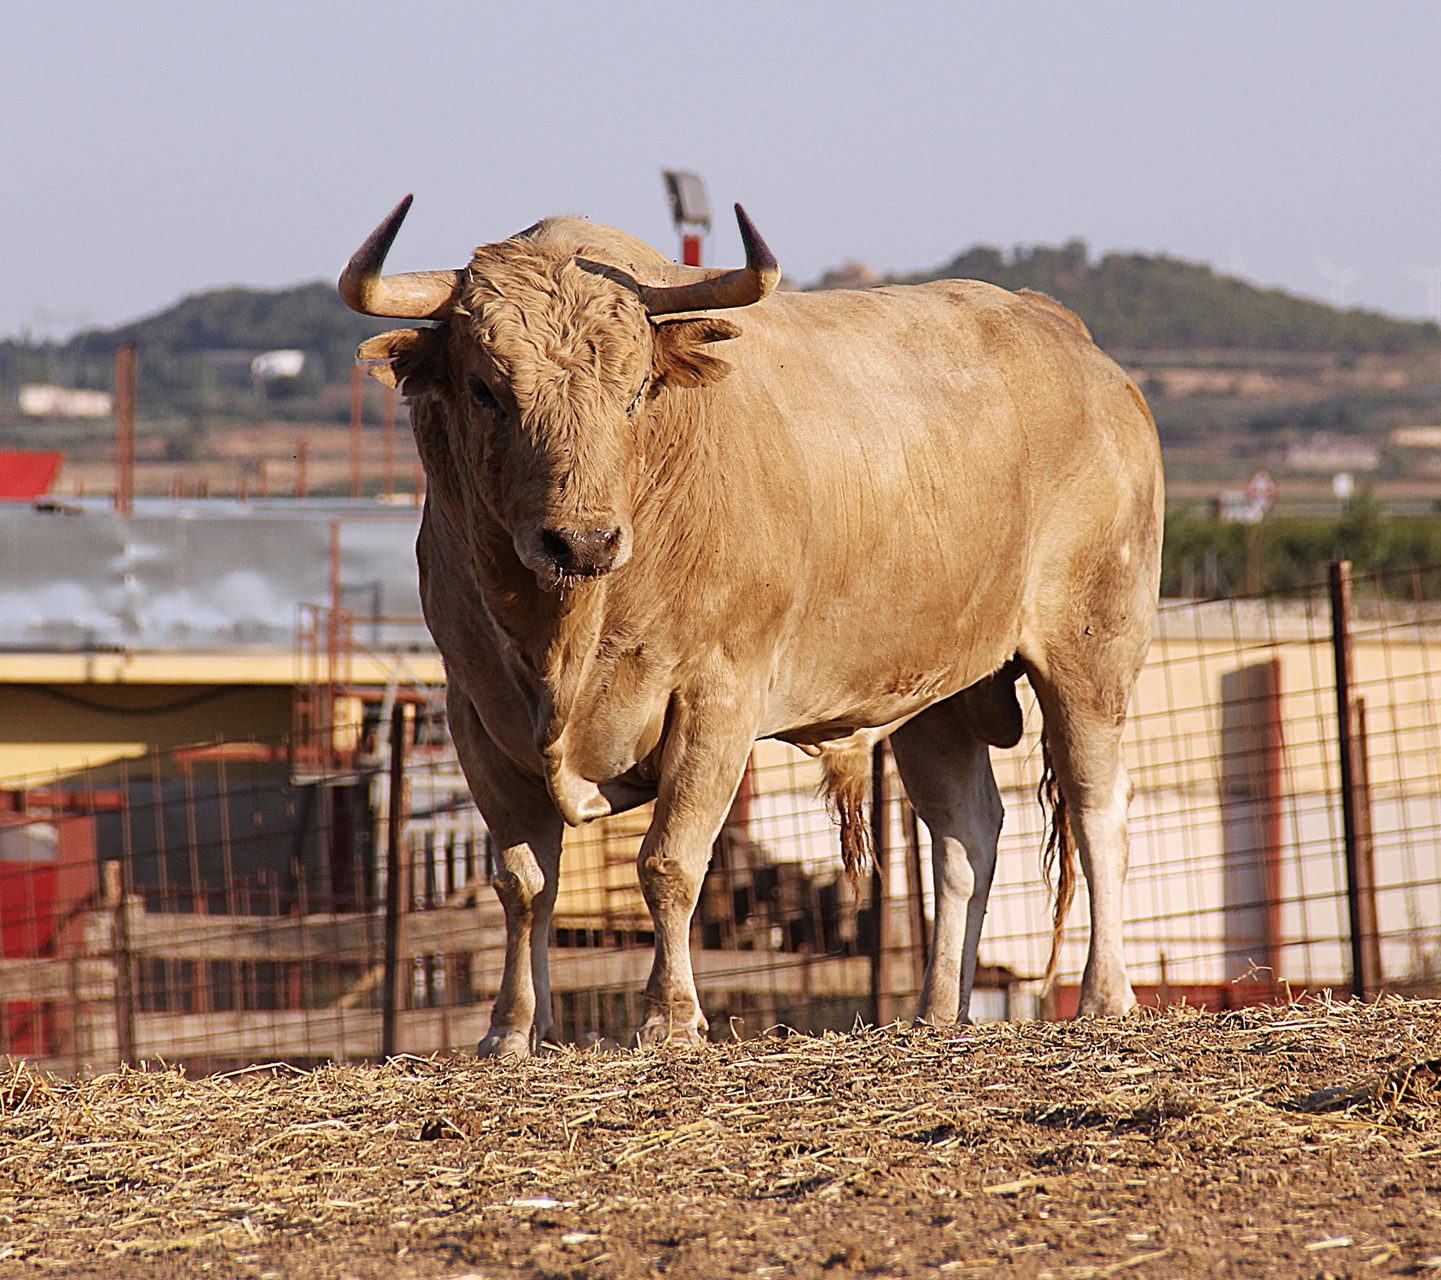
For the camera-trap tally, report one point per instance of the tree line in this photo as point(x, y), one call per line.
point(1141, 302)
point(194, 353)
point(1207, 557)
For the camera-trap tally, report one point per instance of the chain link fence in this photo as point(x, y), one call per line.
point(297, 901)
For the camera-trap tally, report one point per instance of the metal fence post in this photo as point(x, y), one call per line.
point(881, 986)
point(114, 891)
point(393, 876)
point(916, 897)
point(1355, 798)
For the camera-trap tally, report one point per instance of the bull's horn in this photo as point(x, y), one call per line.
point(414, 295)
point(666, 289)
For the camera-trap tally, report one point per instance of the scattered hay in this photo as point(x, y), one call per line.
point(1153, 1145)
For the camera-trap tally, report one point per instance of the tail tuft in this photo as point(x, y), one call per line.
point(1058, 858)
point(846, 784)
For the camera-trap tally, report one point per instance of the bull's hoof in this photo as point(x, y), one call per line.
point(504, 1042)
point(1106, 1004)
point(941, 1021)
point(655, 1033)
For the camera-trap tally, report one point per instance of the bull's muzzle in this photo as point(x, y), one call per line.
point(581, 553)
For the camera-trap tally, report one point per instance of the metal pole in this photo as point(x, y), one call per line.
point(1365, 855)
point(920, 932)
point(114, 887)
point(336, 587)
point(357, 389)
point(125, 371)
point(880, 885)
point(388, 439)
point(390, 997)
point(1354, 825)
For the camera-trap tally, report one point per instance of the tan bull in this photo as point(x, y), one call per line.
point(651, 537)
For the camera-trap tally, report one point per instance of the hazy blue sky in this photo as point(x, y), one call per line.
point(154, 149)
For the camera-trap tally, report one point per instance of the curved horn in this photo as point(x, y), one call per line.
point(665, 289)
point(413, 295)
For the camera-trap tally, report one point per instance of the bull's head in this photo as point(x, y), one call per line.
point(531, 395)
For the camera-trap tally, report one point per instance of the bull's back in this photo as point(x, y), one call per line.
point(923, 455)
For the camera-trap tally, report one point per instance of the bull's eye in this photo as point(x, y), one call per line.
point(483, 396)
point(639, 399)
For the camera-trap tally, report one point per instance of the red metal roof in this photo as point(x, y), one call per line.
point(27, 475)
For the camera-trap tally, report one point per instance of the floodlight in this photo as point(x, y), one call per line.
point(689, 205)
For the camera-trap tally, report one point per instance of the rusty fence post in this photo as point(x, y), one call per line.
point(126, 367)
point(114, 889)
point(357, 411)
point(916, 896)
point(394, 873)
point(881, 959)
point(387, 473)
point(1355, 797)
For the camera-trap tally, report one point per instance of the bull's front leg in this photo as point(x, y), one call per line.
point(704, 758)
point(527, 831)
point(526, 884)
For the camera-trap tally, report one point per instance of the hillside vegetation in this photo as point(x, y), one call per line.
point(1235, 374)
point(1131, 302)
point(1136, 302)
point(195, 355)
point(310, 317)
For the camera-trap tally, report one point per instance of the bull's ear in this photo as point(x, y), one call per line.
point(408, 356)
point(681, 357)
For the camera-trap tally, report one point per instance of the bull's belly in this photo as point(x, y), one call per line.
point(811, 703)
point(601, 753)
point(840, 722)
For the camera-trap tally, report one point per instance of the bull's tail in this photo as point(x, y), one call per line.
point(846, 785)
point(1058, 858)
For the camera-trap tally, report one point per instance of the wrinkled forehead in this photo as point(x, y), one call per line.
point(528, 308)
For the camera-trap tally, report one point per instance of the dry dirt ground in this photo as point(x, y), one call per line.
point(1295, 1141)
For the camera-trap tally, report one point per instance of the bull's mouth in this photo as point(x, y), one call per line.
point(557, 579)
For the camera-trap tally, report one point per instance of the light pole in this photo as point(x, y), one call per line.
point(690, 208)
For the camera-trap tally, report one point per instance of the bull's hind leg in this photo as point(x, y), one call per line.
point(527, 832)
point(1084, 705)
point(944, 760)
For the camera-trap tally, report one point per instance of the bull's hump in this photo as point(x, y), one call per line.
point(575, 237)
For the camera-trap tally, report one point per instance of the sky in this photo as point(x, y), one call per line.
point(153, 149)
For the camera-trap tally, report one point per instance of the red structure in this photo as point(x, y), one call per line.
point(47, 880)
point(26, 474)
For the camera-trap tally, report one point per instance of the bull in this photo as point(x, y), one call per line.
point(652, 537)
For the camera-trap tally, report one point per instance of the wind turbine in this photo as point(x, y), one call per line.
point(1431, 278)
point(1338, 278)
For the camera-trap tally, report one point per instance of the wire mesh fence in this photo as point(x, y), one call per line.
point(244, 902)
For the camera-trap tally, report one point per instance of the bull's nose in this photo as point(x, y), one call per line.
point(587, 553)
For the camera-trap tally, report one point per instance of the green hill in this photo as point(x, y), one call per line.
point(310, 317)
point(194, 356)
point(197, 353)
point(1135, 302)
